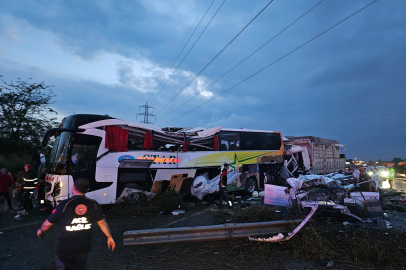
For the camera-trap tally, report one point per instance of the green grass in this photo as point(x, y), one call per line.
point(320, 240)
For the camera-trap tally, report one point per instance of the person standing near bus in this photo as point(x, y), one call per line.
point(223, 186)
point(29, 184)
point(75, 218)
point(42, 161)
point(391, 175)
point(36, 160)
point(5, 181)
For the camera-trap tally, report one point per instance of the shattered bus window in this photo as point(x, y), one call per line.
point(229, 141)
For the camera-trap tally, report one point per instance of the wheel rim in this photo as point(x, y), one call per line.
point(251, 187)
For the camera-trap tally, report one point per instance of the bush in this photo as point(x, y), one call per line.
point(14, 163)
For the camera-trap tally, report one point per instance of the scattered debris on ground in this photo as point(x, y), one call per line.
point(163, 203)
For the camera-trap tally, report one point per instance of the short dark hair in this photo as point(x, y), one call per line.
point(82, 184)
point(225, 164)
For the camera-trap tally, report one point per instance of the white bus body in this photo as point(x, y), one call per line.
point(79, 151)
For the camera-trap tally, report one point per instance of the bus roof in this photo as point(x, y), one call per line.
point(245, 130)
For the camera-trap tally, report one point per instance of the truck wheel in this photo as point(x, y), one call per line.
point(251, 185)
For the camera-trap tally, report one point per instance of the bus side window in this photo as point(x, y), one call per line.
point(84, 152)
point(229, 141)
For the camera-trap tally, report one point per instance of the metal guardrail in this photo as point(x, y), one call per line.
point(206, 233)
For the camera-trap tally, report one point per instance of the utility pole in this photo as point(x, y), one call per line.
point(146, 113)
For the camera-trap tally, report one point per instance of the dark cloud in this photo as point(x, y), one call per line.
point(357, 66)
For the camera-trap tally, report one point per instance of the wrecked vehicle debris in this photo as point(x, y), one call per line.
point(328, 193)
point(202, 185)
point(280, 237)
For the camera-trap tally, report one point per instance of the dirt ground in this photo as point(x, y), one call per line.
point(22, 249)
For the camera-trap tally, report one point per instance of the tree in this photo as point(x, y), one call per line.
point(25, 115)
point(396, 160)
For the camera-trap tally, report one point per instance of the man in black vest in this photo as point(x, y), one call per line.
point(30, 182)
point(223, 186)
point(75, 218)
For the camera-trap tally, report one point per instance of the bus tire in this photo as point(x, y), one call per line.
point(251, 185)
point(130, 185)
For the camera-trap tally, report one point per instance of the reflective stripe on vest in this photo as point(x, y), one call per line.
point(30, 183)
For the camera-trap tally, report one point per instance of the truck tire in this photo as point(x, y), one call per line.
point(251, 185)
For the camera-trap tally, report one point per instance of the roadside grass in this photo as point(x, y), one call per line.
point(256, 214)
point(165, 202)
point(353, 246)
point(320, 241)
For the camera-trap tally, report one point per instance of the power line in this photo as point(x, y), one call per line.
point(212, 59)
point(252, 75)
point(173, 62)
point(189, 49)
point(248, 56)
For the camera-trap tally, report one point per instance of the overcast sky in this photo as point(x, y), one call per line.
point(110, 57)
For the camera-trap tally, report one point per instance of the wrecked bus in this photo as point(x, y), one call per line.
point(117, 155)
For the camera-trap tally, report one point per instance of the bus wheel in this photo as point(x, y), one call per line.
point(251, 185)
point(130, 185)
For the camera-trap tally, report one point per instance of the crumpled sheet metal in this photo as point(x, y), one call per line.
point(304, 181)
point(202, 185)
point(331, 191)
point(280, 237)
point(316, 188)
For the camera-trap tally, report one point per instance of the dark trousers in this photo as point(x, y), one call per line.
point(71, 262)
point(19, 197)
point(7, 198)
point(36, 166)
point(223, 195)
point(27, 203)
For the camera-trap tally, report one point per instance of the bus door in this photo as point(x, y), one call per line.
point(82, 161)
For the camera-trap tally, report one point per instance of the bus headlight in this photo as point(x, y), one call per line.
point(384, 174)
point(369, 173)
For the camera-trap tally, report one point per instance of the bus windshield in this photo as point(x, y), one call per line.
point(59, 153)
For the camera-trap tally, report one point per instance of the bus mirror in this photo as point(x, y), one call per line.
point(52, 131)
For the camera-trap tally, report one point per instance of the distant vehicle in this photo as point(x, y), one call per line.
point(383, 172)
